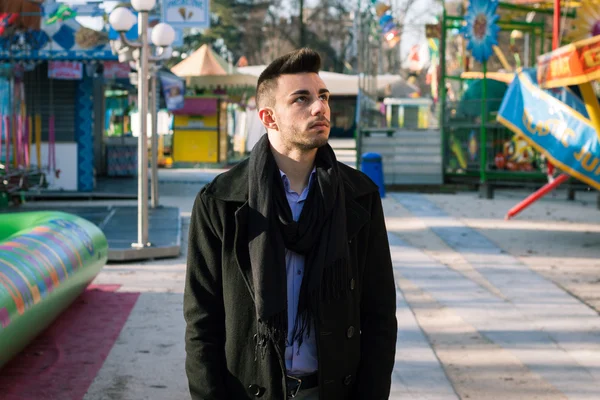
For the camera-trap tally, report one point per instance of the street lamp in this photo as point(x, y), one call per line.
point(122, 20)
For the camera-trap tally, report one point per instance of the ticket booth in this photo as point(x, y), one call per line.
point(199, 132)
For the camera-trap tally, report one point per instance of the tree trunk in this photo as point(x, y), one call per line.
point(302, 34)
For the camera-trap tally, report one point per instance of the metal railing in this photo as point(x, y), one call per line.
point(508, 157)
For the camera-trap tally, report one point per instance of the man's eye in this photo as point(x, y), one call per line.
point(300, 99)
point(324, 97)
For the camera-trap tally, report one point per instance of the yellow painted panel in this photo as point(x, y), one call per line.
point(195, 146)
point(195, 121)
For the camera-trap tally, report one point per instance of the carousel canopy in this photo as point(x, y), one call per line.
point(206, 69)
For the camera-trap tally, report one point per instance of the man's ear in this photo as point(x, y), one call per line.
point(267, 117)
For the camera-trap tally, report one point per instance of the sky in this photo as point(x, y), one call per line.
point(421, 13)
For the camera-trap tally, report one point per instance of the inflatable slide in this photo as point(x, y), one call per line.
point(47, 259)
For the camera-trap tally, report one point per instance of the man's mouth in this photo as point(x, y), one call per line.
point(320, 124)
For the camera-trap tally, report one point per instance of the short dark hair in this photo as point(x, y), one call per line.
point(296, 62)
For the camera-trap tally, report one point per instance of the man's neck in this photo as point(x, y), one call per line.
point(297, 166)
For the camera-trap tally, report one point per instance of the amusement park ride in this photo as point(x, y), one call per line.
point(540, 106)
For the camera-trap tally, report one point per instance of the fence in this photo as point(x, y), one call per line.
point(508, 157)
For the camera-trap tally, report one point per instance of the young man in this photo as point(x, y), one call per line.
point(289, 290)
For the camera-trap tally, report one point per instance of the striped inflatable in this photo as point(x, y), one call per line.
point(47, 259)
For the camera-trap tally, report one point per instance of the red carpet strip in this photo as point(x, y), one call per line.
point(63, 361)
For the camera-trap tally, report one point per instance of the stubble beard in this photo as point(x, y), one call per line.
point(304, 142)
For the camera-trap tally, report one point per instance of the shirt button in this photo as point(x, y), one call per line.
point(350, 332)
point(352, 284)
point(299, 272)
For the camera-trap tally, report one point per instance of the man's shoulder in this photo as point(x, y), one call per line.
point(231, 185)
point(357, 183)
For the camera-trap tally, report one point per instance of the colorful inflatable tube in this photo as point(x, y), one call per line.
point(47, 259)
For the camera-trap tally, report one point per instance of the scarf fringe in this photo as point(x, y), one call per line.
point(335, 281)
point(274, 330)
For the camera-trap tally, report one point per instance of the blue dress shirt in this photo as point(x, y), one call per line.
point(303, 360)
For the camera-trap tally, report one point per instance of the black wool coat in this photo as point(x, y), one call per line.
point(356, 341)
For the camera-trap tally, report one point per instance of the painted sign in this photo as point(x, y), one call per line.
point(116, 70)
point(570, 65)
point(66, 70)
point(186, 13)
point(556, 123)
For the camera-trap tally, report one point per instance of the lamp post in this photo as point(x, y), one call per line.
point(122, 20)
point(162, 35)
point(154, 119)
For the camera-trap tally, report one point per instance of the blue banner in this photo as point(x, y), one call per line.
point(556, 123)
point(173, 89)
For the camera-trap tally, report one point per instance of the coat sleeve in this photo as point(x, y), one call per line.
point(379, 327)
point(203, 308)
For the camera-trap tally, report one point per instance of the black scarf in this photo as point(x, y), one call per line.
point(320, 235)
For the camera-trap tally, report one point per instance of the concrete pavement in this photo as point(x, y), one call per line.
point(487, 308)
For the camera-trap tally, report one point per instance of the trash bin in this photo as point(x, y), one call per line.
point(371, 164)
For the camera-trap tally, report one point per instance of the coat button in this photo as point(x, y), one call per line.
point(348, 380)
point(352, 284)
point(256, 390)
point(350, 332)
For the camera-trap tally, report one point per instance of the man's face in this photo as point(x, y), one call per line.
point(301, 111)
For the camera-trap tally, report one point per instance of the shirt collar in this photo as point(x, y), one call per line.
point(286, 180)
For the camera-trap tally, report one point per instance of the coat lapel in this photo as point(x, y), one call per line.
point(242, 256)
point(356, 217)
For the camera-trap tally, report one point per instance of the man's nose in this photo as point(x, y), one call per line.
point(319, 107)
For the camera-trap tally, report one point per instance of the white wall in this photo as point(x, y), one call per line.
point(163, 118)
point(66, 162)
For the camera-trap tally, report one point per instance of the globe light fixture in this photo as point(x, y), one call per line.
point(163, 35)
point(121, 19)
point(143, 5)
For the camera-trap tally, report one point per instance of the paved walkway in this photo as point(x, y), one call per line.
point(499, 329)
point(487, 308)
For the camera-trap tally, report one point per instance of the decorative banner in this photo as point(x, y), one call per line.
point(556, 124)
point(66, 70)
point(63, 13)
point(481, 29)
point(570, 65)
point(61, 37)
point(116, 70)
point(186, 13)
point(173, 89)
